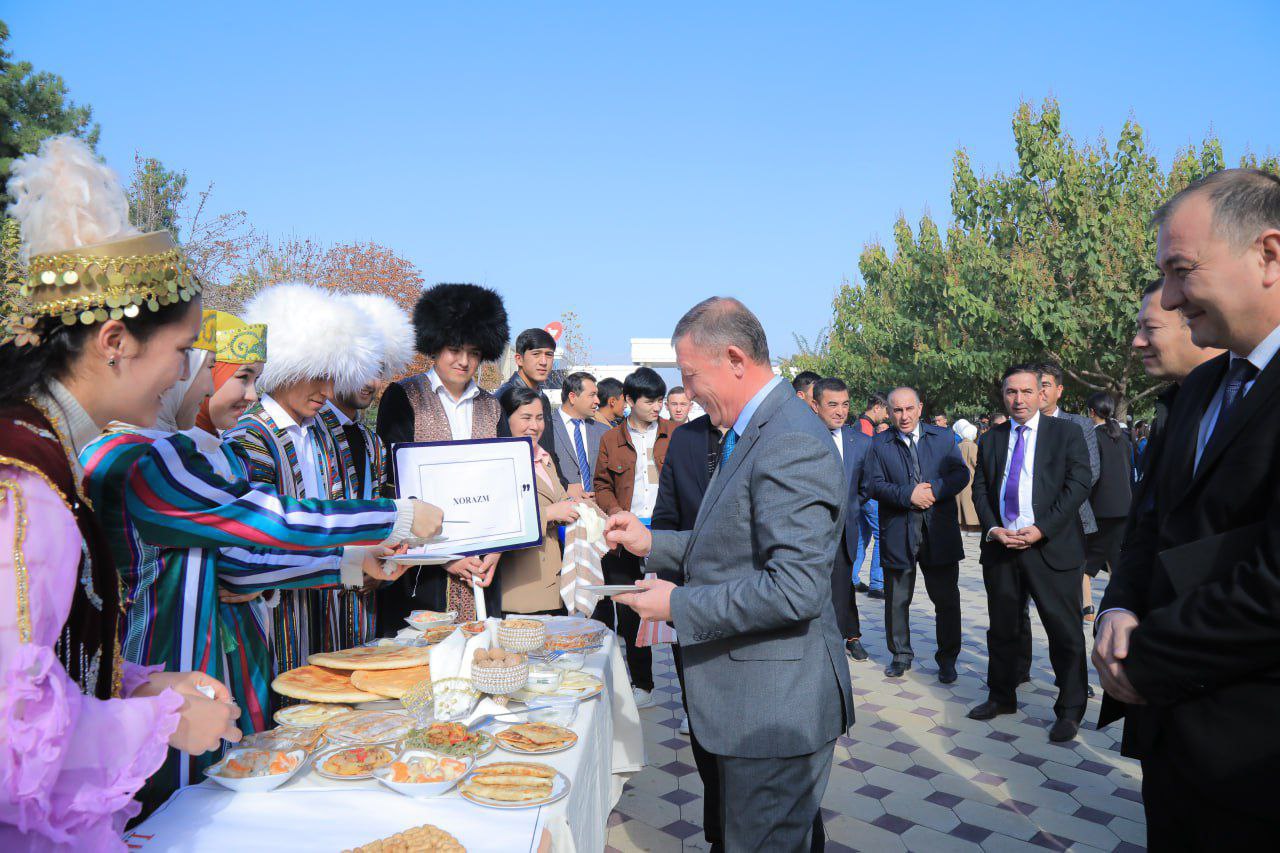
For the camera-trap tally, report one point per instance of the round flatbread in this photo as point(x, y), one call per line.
point(391, 683)
point(372, 657)
point(317, 684)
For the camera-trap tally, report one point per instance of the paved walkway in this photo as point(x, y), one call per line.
point(914, 772)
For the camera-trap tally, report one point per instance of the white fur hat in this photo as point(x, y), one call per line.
point(394, 330)
point(315, 334)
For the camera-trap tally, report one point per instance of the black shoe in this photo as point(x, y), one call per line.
point(1091, 694)
point(991, 709)
point(896, 668)
point(860, 587)
point(1063, 730)
point(855, 649)
point(947, 673)
point(876, 593)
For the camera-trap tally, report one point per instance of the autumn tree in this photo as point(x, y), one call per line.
point(1047, 260)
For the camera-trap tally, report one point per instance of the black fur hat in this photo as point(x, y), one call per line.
point(451, 315)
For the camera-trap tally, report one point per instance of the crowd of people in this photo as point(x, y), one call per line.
point(192, 502)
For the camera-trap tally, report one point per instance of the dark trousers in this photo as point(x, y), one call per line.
point(942, 583)
point(708, 769)
point(1009, 581)
point(624, 568)
point(842, 596)
point(775, 801)
point(1181, 818)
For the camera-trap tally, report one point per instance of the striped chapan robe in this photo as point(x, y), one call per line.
point(223, 531)
point(348, 617)
point(273, 461)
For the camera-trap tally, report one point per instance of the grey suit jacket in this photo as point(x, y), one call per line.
point(567, 451)
point(1095, 464)
point(765, 671)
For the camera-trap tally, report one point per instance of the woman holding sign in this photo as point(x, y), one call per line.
point(530, 577)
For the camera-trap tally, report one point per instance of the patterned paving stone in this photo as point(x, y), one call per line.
point(915, 773)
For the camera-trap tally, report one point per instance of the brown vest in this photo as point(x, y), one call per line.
point(430, 422)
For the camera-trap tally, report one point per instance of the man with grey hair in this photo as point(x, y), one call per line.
point(1189, 638)
point(766, 680)
point(915, 471)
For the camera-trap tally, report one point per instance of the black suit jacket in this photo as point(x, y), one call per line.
point(1061, 479)
point(692, 454)
point(1201, 569)
point(856, 449)
point(887, 479)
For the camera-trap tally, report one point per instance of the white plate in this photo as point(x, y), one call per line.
point(509, 748)
point(446, 618)
point(423, 560)
point(562, 693)
point(612, 588)
point(424, 789)
point(559, 790)
point(255, 784)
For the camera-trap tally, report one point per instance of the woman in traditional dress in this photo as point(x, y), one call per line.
point(969, 452)
point(530, 577)
point(111, 316)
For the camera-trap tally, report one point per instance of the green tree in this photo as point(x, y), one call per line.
point(1047, 260)
point(33, 106)
point(156, 196)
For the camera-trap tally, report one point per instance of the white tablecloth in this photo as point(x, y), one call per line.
point(314, 813)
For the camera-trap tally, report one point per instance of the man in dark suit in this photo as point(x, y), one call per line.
point(831, 402)
point(1189, 636)
point(693, 455)
point(914, 471)
point(576, 431)
point(1031, 476)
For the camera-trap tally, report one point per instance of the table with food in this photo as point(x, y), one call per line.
point(499, 735)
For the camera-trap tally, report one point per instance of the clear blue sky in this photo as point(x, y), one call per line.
point(625, 162)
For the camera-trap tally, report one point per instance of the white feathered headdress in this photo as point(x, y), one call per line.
point(315, 334)
point(66, 198)
point(394, 330)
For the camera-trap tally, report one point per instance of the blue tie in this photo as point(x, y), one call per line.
point(583, 465)
point(1241, 372)
point(730, 439)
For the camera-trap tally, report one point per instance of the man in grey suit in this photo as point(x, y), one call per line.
point(766, 679)
point(576, 431)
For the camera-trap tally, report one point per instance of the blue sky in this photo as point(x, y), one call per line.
point(626, 162)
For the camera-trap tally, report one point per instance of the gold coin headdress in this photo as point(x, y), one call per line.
point(85, 262)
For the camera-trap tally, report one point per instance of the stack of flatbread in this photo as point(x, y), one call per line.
point(384, 672)
point(537, 737)
point(510, 782)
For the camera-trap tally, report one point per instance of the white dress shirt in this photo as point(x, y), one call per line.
point(839, 440)
point(644, 494)
point(909, 438)
point(1026, 514)
point(458, 412)
point(303, 443)
point(1260, 358)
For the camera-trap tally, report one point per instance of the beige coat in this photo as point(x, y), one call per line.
point(964, 500)
point(530, 577)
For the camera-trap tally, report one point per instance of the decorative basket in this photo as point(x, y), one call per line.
point(500, 680)
point(521, 635)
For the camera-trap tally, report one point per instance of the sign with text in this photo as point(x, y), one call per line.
point(485, 488)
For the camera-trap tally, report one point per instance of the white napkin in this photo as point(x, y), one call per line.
point(446, 657)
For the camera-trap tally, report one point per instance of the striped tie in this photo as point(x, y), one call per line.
point(583, 464)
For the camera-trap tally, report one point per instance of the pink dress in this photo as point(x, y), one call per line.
point(70, 764)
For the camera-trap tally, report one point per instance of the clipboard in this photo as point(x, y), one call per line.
point(486, 488)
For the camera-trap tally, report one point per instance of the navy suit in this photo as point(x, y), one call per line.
point(910, 537)
point(854, 448)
